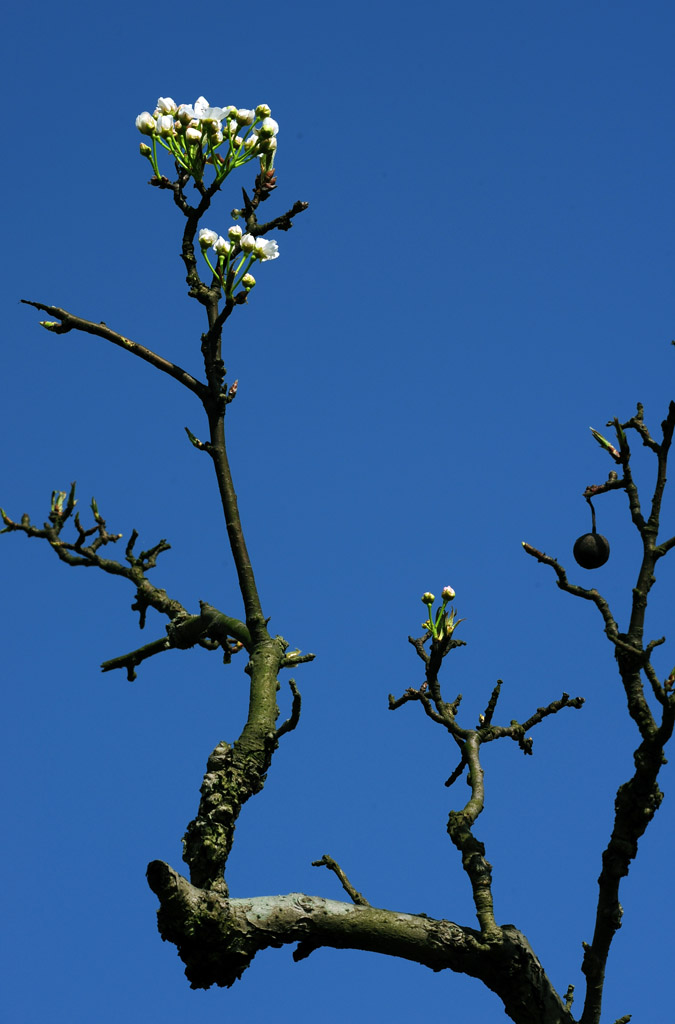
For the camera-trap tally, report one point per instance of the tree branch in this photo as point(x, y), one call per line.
point(332, 865)
point(217, 939)
point(71, 322)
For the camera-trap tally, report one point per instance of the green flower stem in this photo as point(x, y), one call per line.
point(153, 158)
point(237, 280)
point(215, 272)
point(439, 615)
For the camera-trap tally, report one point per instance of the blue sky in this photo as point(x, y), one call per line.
point(485, 270)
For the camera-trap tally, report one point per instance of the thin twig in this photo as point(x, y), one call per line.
point(333, 865)
point(70, 322)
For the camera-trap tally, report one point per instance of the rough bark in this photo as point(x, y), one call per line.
point(217, 938)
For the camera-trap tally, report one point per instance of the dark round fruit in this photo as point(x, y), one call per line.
point(591, 551)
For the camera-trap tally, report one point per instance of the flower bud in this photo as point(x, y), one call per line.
point(145, 123)
point(145, 150)
point(428, 598)
point(448, 594)
point(245, 116)
point(165, 125)
point(235, 232)
point(221, 246)
point(269, 127)
point(207, 238)
point(247, 243)
point(251, 142)
point(166, 105)
point(262, 110)
point(193, 134)
point(248, 281)
point(185, 113)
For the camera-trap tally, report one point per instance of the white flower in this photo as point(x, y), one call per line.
point(145, 123)
point(200, 106)
point(245, 116)
point(221, 246)
point(247, 243)
point(235, 232)
point(248, 281)
point(262, 110)
point(166, 105)
point(165, 125)
point(269, 126)
point(193, 134)
point(251, 142)
point(185, 113)
point(266, 249)
point(207, 238)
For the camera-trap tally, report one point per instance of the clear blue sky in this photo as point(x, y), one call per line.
point(485, 270)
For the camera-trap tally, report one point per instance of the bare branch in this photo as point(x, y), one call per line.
point(71, 322)
point(611, 628)
point(87, 556)
point(332, 865)
point(218, 938)
point(292, 721)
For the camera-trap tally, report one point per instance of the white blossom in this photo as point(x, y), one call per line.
point(269, 126)
point(207, 238)
point(166, 105)
point(145, 123)
point(165, 125)
point(262, 110)
point(200, 106)
point(248, 281)
point(185, 113)
point(193, 134)
point(235, 232)
point(221, 246)
point(266, 249)
point(247, 243)
point(244, 116)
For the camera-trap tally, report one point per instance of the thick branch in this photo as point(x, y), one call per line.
point(637, 801)
point(217, 939)
point(235, 773)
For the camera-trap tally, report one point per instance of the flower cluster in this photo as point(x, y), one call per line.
point(197, 135)
point(231, 270)
point(444, 623)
